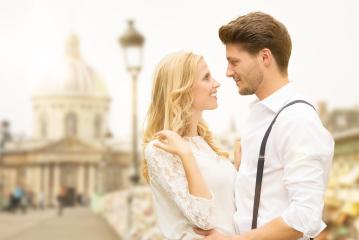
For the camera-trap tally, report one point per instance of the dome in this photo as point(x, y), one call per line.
point(72, 76)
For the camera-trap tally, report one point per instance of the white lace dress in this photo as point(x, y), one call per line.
point(177, 210)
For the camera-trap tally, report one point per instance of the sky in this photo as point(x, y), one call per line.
point(323, 64)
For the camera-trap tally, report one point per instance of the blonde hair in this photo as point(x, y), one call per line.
point(172, 99)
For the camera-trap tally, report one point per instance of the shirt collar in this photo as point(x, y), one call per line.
point(276, 100)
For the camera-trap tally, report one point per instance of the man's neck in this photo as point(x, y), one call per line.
point(270, 85)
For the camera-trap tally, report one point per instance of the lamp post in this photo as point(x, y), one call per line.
point(132, 44)
point(5, 137)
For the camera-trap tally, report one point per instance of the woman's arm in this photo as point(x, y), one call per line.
point(167, 175)
point(173, 143)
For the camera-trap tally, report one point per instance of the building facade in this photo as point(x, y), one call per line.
point(70, 147)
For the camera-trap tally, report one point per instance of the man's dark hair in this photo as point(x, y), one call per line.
point(256, 31)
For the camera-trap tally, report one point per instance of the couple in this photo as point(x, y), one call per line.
point(198, 193)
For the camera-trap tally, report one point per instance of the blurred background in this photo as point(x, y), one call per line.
point(75, 84)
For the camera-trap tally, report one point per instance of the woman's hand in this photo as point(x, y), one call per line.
point(237, 153)
point(171, 142)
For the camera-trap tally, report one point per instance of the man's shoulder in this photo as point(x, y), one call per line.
point(299, 114)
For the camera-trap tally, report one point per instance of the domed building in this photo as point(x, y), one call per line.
point(70, 147)
point(72, 101)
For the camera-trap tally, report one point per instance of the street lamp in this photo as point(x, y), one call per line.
point(132, 44)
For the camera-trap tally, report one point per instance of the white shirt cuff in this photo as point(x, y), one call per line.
point(310, 229)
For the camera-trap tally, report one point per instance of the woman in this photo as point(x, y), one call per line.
point(190, 177)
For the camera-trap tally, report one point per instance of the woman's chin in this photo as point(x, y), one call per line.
point(215, 106)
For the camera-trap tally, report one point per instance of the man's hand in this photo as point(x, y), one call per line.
point(211, 234)
point(237, 153)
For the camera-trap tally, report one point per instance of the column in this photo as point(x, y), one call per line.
point(37, 184)
point(91, 185)
point(46, 181)
point(80, 179)
point(7, 183)
point(29, 178)
point(56, 183)
point(3, 180)
point(13, 180)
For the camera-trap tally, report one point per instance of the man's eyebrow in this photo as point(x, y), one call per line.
point(232, 59)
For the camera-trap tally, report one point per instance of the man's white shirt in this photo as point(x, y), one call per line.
point(298, 158)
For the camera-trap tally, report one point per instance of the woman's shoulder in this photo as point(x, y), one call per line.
point(150, 149)
point(153, 153)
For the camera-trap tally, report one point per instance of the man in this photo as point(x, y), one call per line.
point(299, 149)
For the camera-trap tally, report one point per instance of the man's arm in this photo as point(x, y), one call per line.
point(276, 229)
point(306, 149)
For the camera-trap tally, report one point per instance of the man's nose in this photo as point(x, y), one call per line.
point(229, 72)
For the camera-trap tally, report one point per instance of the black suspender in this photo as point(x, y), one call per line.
point(260, 164)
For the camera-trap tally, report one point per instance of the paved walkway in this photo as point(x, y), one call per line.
point(74, 224)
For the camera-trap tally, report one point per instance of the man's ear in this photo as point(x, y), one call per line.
point(266, 57)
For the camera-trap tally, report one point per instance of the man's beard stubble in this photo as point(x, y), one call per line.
point(252, 82)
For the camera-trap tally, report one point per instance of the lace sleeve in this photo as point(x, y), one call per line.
point(166, 170)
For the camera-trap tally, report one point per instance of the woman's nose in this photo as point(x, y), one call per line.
point(216, 84)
